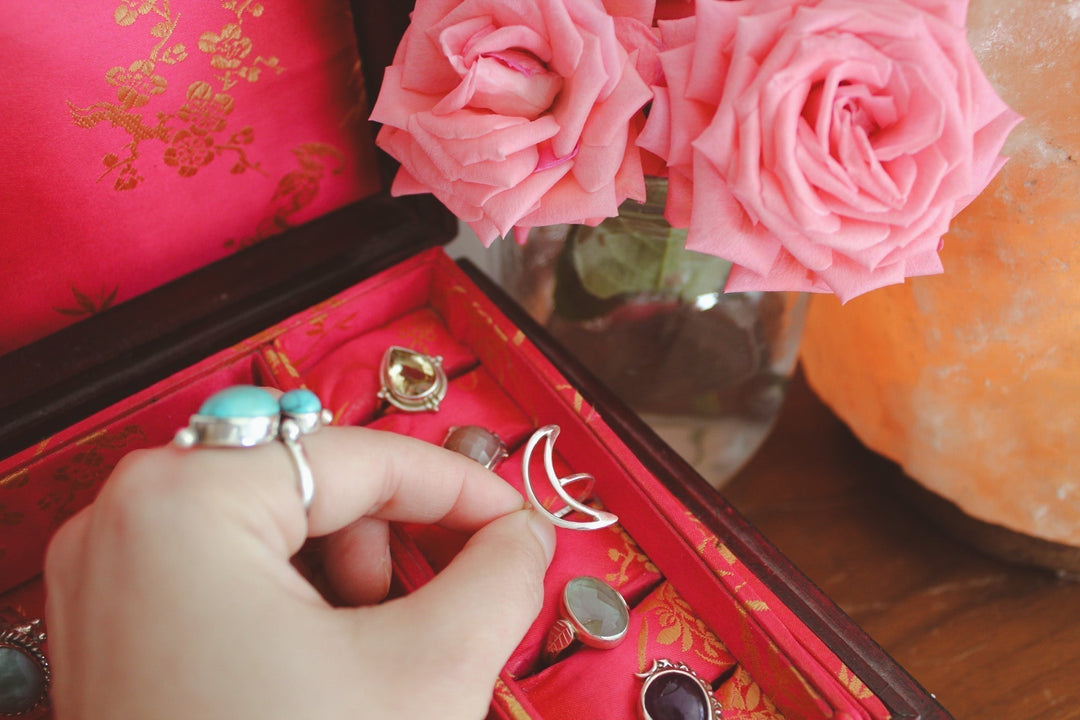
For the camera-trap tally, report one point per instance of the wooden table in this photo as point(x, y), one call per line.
point(989, 639)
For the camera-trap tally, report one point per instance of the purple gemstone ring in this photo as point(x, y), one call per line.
point(591, 612)
point(672, 691)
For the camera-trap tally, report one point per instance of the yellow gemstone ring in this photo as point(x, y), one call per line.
point(412, 381)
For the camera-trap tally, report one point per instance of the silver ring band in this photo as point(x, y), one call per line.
point(247, 416)
point(599, 518)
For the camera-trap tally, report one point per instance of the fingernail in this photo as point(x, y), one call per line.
point(544, 532)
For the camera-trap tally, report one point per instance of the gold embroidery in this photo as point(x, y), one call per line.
point(743, 696)
point(191, 132)
point(626, 556)
point(854, 685)
point(295, 190)
point(17, 479)
point(679, 625)
point(512, 704)
point(88, 468)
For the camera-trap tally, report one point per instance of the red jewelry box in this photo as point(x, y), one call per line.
point(316, 307)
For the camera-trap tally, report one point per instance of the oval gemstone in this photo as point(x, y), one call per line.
point(477, 443)
point(596, 606)
point(22, 681)
point(675, 695)
point(240, 401)
point(300, 402)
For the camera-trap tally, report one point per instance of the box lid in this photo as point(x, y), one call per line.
point(78, 369)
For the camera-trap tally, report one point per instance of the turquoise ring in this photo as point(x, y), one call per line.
point(247, 416)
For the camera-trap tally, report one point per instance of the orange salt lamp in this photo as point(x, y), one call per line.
point(971, 380)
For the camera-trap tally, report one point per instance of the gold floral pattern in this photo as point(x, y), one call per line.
point(197, 131)
point(743, 698)
point(88, 466)
point(680, 627)
point(626, 555)
point(854, 685)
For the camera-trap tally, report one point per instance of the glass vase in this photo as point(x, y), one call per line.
point(706, 369)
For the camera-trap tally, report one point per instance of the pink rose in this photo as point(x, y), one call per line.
point(823, 145)
point(518, 113)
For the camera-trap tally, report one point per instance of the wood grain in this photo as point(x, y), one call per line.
point(989, 639)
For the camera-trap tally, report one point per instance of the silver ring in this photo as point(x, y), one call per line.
point(600, 518)
point(26, 669)
point(412, 381)
point(672, 689)
point(480, 444)
point(582, 496)
point(248, 416)
point(590, 612)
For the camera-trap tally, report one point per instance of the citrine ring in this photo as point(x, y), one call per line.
point(247, 416)
point(412, 381)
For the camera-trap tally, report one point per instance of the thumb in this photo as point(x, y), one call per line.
point(474, 613)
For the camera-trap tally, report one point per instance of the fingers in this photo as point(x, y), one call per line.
point(357, 561)
point(473, 614)
point(369, 472)
point(358, 472)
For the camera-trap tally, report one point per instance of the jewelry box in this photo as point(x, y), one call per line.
point(317, 307)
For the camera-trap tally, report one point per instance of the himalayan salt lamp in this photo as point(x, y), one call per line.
point(971, 380)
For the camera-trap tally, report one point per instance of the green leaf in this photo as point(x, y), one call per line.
point(572, 301)
point(642, 254)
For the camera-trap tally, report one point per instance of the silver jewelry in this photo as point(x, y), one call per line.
point(412, 381)
point(248, 416)
point(480, 444)
point(591, 612)
point(600, 518)
point(24, 670)
point(582, 495)
point(673, 690)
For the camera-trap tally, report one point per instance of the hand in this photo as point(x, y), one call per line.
point(173, 595)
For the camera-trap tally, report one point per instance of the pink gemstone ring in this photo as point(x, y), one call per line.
point(477, 443)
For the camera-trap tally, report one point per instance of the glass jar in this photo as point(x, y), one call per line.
point(707, 369)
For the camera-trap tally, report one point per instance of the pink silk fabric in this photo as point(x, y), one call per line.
point(143, 139)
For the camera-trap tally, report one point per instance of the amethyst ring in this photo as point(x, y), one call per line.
point(672, 691)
